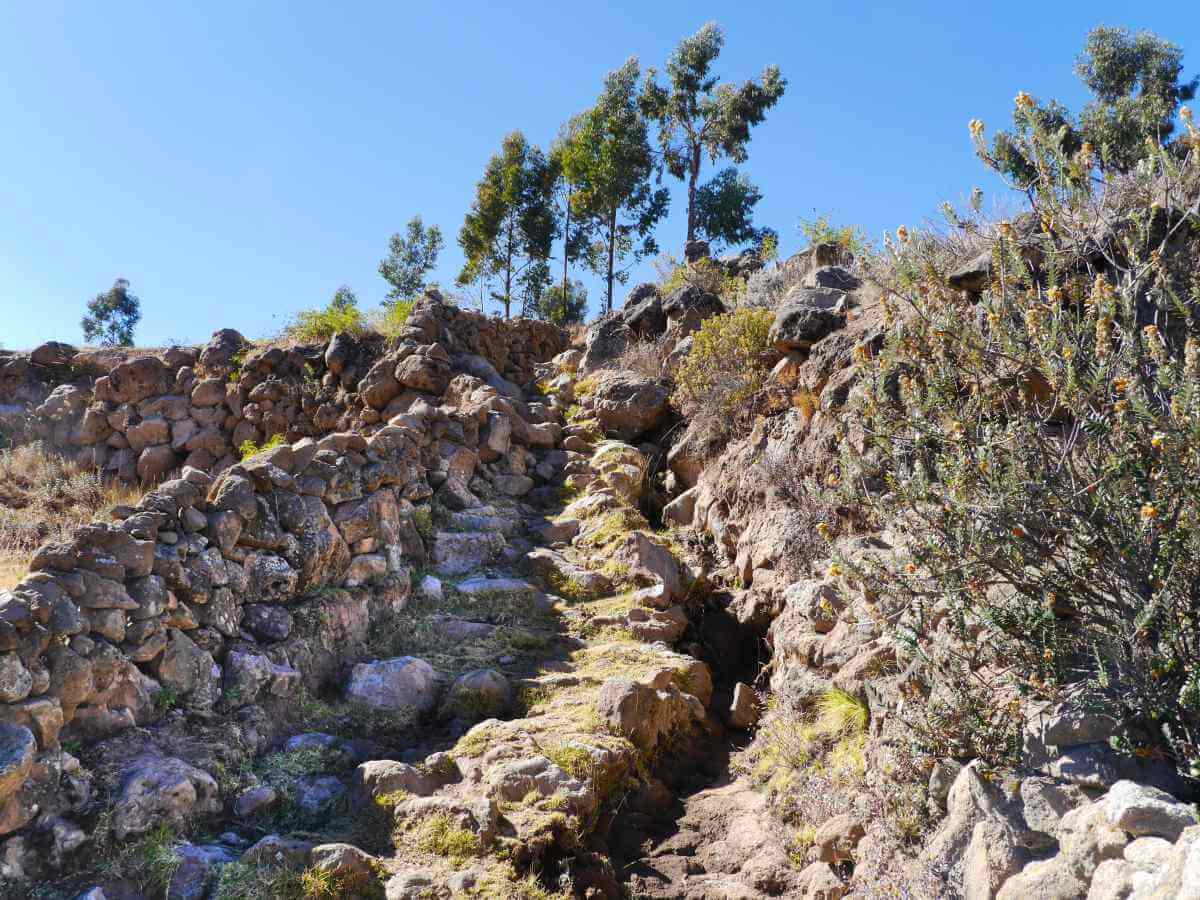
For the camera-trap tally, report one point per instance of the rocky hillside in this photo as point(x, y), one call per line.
point(496, 617)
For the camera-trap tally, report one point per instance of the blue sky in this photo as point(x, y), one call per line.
point(238, 161)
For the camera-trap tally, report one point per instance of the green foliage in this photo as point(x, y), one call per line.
point(1043, 451)
point(165, 700)
point(724, 210)
point(705, 274)
point(512, 221)
point(411, 257)
point(821, 231)
point(560, 307)
point(343, 298)
point(244, 881)
point(439, 835)
point(698, 117)
point(609, 161)
point(391, 319)
point(726, 366)
point(112, 316)
point(249, 449)
point(319, 325)
point(1136, 88)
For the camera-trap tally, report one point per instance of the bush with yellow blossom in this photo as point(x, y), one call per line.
point(1041, 443)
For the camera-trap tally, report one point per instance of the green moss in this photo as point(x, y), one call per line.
point(440, 836)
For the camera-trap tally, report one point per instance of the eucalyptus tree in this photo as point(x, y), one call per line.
point(510, 227)
point(611, 164)
point(725, 210)
point(112, 316)
point(411, 257)
point(698, 117)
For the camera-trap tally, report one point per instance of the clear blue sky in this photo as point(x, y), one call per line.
point(238, 161)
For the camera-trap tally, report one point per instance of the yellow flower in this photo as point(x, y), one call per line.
point(1067, 353)
point(832, 480)
point(911, 568)
point(1149, 511)
point(1056, 294)
point(976, 126)
point(1023, 99)
point(1185, 114)
point(1120, 385)
point(835, 571)
point(1121, 405)
point(824, 530)
point(1158, 440)
point(902, 234)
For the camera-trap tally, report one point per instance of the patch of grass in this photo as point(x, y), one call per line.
point(841, 713)
point(390, 320)
point(440, 836)
point(475, 742)
point(799, 845)
point(389, 801)
point(422, 518)
point(152, 860)
point(242, 881)
point(249, 449)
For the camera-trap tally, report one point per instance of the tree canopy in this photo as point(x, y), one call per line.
point(511, 224)
point(1136, 87)
point(411, 256)
point(112, 316)
point(698, 116)
point(611, 164)
point(725, 210)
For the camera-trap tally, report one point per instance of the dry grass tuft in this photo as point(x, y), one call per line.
point(44, 497)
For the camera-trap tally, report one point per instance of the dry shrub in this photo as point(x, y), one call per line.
point(44, 497)
point(812, 514)
point(644, 357)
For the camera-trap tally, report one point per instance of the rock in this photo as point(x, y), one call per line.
point(380, 777)
point(52, 354)
point(276, 851)
point(606, 341)
point(355, 872)
point(836, 839)
point(643, 312)
point(805, 318)
point(430, 587)
point(269, 622)
point(319, 796)
point(341, 350)
point(1142, 810)
point(564, 576)
point(482, 694)
point(628, 405)
point(400, 684)
point(16, 681)
point(818, 881)
point(835, 277)
point(456, 553)
point(17, 750)
point(162, 790)
point(154, 463)
point(137, 379)
point(993, 856)
point(974, 275)
point(1089, 765)
point(682, 510)
point(743, 711)
point(255, 800)
point(197, 870)
point(513, 485)
point(642, 713)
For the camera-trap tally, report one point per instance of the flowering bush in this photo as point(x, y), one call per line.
point(1040, 443)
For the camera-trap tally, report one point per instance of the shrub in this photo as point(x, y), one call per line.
point(704, 274)
point(726, 366)
point(249, 449)
point(318, 325)
point(851, 239)
point(1042, 451)
point(389, 320)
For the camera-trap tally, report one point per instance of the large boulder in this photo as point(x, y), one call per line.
point(137, 379)
point(158, 790)
point(807, 316)
point(401, 684)
point(687, 307)
point(606, 341)
point(218, 355)
point(643, 312)
point(628, 405)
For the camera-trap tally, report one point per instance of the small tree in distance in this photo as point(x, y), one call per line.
point(411, 256)
point(112, 316)
point(560, 307)
point(344, 298)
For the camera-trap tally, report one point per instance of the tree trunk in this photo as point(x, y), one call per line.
point(612, 249)
point(693, 177)
point(508, 267)
point(566, 248)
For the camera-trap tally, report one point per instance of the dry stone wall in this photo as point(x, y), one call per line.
point(214, 582)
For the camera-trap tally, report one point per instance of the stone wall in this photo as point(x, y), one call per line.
point(144, 416)
point(211, 584)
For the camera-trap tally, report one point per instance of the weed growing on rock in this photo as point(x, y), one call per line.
point(313, 326)
point(249, 449)
point(243, 881)
point(440, 836)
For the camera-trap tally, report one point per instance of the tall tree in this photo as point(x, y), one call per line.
point(511, 224)
point(411, 256)
point(1137, 89)
point(112, 316)
point(696, 116)
point(343, 298)
point(610, 162)
point(725, 210)
point(576, 235)
point(560, 306)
